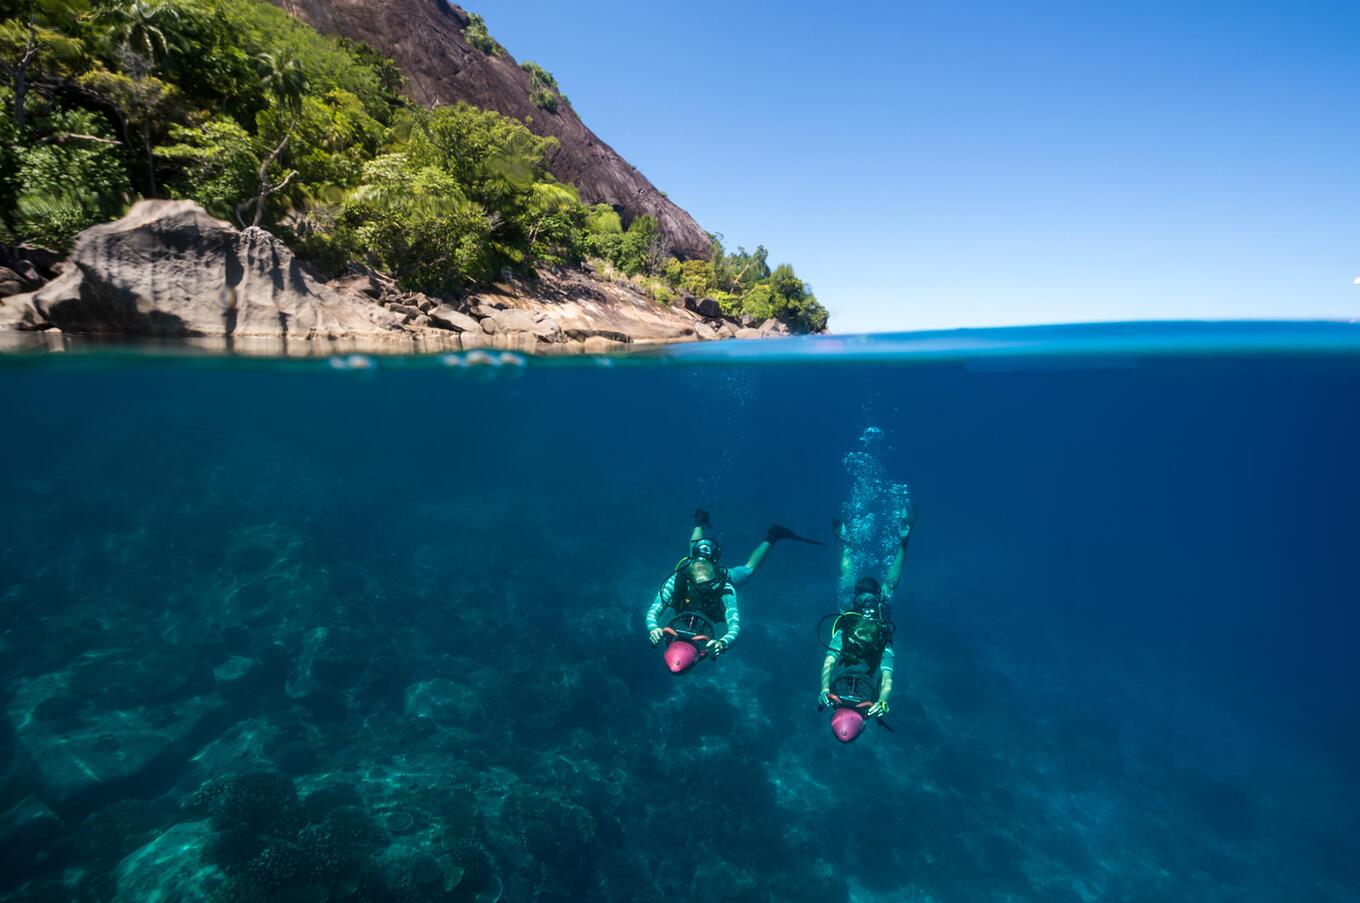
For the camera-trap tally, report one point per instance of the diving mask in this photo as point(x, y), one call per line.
point(707, 550)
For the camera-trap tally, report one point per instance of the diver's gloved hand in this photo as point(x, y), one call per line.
point(878, 709)
point(824, 698)
point(907, 522)
point(715, 648)
point(655, 635)
point(776, 533)
point(700, 517)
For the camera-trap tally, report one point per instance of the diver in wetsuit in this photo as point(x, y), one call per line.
point(703, 587)
point(862, 635)
point(703, 546)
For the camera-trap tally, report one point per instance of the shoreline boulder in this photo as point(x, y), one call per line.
point(168, 269)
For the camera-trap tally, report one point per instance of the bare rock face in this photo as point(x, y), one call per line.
point(167, 268)
point(425, 38)
point(567, 307)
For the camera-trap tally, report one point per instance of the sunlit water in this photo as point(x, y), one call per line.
point(371, 629)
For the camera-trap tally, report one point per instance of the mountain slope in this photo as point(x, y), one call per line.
point(425, 39)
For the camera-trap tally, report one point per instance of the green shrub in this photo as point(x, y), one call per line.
point(543, 89)
point(538, 76)
point(544, 99)
point(477, 36)
point(69, 185)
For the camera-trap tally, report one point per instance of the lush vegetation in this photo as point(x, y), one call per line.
point(477, 36)
point(742, 283)
point(237, 106)
point(543, 89)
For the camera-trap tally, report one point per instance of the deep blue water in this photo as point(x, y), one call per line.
point(370, 632)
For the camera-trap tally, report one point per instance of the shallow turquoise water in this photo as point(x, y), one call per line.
point(341, 628)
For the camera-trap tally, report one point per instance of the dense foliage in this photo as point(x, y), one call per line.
point(236, 105)
point(742, 283)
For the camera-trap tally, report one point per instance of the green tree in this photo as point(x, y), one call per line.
point(552, 221)
point(643, 249)
point(145, 27)
point(69, 185)
point(493, 155)
point(285, 81)
point(144, 31)
point(215, 163)
point(27, 48)
point(140, 100)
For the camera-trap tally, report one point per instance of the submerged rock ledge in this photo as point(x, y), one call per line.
point(170, 270)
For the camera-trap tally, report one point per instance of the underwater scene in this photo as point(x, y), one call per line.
point(369, 629)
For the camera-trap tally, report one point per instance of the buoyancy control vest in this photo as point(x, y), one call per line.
point(856, 651)
point(685, 597)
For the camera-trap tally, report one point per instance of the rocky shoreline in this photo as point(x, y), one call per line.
point(169, 270)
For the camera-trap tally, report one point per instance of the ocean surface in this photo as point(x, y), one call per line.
point(367, 629)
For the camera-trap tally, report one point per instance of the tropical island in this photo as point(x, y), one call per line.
point(364, 175)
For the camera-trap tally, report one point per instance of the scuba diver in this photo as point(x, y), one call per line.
point(705, 547)
point(861, 643)
point(701, 595)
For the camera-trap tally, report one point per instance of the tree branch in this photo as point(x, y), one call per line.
point(268, 188)
point(67, 137)
point(284, 184)
point(31, 50)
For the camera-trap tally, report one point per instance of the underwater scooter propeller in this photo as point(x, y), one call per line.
point(686, 636)
point(852, 694)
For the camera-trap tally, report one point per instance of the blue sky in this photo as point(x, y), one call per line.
point(985, 163)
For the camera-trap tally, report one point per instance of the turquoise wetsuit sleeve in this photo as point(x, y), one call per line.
point(663, 598)
point(833, 649)
point(887, 662)
point(731, 616)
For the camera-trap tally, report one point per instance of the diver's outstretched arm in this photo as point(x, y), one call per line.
point(700, 521)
